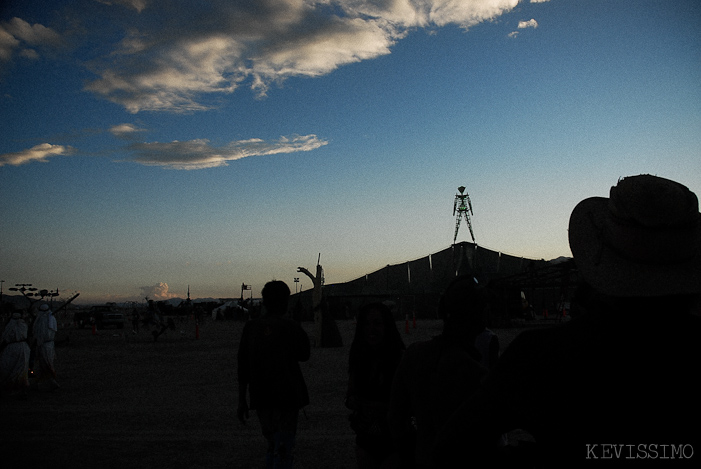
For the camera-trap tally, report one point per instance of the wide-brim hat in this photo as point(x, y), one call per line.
point(644, 240)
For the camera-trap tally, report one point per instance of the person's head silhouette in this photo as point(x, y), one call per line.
point(276, 294)
point(462, 307)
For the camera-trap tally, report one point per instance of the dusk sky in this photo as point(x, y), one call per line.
point(151, 145)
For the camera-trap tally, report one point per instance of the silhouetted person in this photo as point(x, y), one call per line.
point(626, 366)
point(374, 357)
point(134, 321)
point(14, 357)
point(435, 376)
point(43, 334)
point(330, 334)
point(155, 319)
point(268, 367)
point(199, 314)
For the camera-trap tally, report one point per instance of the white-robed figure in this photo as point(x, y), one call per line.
point(14, 358)
point(44, 333)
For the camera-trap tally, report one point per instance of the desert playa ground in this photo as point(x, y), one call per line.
point(127, 401)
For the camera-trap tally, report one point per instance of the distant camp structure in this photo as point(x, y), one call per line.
point(414, 287)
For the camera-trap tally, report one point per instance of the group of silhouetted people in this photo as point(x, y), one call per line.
point(25, 347)
point(617, 384)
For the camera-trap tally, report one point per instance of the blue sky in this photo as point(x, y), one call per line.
point(147, 146)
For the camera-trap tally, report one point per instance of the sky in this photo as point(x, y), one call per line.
point(147, 146)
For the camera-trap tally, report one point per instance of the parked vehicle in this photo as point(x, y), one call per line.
point(102, 316)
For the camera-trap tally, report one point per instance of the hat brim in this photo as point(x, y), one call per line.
point(612, 274)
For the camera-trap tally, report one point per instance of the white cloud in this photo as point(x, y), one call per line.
point(424, 13)
point(192, 154)
point(524, 25)
point(39, 153)
point(29, 54)
point(467, 13)
point(168, 77)
point(528, 24)
point(200, 154)
point(157, 292)
point(319, 52)
point(137, 5)
point(539, 1)
point(7, 44)
point(34, 35)
point(124, 130)
point(18, 34)
point(176, 65)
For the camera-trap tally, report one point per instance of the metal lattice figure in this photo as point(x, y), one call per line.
point(462, 210)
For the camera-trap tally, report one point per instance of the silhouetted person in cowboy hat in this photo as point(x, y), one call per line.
point(626, 370)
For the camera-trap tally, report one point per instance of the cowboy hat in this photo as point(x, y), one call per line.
point(644, 240)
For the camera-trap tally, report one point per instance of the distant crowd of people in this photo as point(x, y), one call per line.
point(619, 381)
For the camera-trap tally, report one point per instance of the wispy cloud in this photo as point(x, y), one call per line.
point(173, 66)
point(192, 154)
point(200, 154)
point(19, 36)
point(137, 5)
point(40, 153)
point(125, 130)
point(539, 1)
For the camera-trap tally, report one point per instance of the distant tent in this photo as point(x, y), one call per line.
point(229, 310)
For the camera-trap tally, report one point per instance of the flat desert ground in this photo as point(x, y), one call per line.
point(127, 401)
